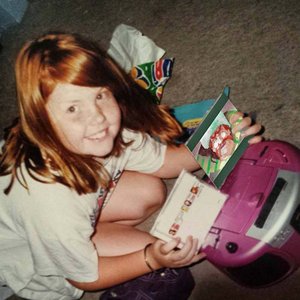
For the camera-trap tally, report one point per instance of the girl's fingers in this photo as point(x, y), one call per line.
point(185, 256)
point(184, 251)
point(254, 129)
point(187, 253)
point(255, 139)
point(191, 254)
point(241, 124)
point(165, 248)
point(198, 257)
point(234, 117)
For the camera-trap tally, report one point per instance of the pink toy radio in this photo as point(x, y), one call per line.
point(256, 238)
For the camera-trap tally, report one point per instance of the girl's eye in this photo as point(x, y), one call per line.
point(103, 94)
point(99, 97)
point(72, 109)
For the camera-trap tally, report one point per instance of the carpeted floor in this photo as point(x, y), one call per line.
point(252, 46)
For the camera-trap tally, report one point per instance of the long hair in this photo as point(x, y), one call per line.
point(32, 140)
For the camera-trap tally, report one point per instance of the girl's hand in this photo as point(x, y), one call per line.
point(161, 254)
point(245, 126)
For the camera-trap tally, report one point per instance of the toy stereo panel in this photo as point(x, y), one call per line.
point(279, 216)
point(277, 220)
point(230, 249)
point(275, 154)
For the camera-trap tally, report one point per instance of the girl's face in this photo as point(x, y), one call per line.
point(87, 119)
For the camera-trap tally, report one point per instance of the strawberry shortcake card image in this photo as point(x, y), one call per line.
point(213, 143)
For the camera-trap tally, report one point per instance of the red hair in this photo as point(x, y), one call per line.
point(65, 58)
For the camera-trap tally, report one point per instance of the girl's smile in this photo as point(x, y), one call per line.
point(98, 135)
point(87, 119)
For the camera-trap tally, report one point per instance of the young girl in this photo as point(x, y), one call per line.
point(87, 139)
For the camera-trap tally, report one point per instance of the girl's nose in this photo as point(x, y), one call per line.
point(97, 115)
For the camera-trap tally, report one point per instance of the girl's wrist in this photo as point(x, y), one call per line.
point(149, 261)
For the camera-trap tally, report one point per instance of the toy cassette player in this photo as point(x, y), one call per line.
point(255, 240)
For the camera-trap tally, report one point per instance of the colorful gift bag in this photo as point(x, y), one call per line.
point(153, 76)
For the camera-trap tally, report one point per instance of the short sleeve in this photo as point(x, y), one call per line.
point(145, 153)
point(57, 223)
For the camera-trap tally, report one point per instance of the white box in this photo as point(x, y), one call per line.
point(190, 209)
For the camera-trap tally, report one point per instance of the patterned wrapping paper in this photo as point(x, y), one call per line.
point(139, 56)
point(153, 76)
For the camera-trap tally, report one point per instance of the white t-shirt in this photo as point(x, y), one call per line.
point(45, 232)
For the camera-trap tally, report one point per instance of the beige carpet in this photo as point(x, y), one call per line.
point(252, 46)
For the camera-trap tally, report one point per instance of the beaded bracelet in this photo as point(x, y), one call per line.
point(145, 257)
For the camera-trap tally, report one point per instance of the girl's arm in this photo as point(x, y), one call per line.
point(117, 269)
point(178, 158)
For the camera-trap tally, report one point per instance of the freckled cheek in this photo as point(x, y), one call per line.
point(115, 115)
point(70, 135)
